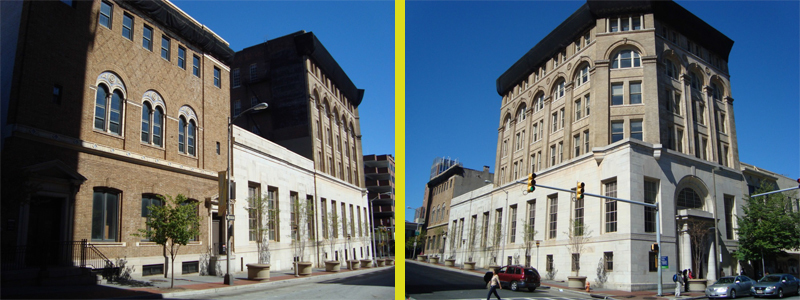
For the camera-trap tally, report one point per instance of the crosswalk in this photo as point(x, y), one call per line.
point(527, 298)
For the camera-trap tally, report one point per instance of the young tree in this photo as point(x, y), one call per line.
point(528, 240)
point(769, 225)
point(333, 224)
point(302, 213)
point(497, 238)
point(579, 235)
point(261, 213)
point(699, 233)
point(172, 225)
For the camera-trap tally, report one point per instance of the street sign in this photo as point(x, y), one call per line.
point(665, 262)
point(230, 217)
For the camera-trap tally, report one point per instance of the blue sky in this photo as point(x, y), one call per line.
point(455, 51)
point(359, 35)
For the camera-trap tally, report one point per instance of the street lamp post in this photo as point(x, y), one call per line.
point(416, 237)
point(229, 215)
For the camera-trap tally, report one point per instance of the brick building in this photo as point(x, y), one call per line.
point(111, 104)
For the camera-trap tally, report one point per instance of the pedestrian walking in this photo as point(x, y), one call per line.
point(685, 280)
point(494, 284)
point(678, 279)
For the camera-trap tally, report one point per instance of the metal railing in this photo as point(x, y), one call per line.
point(65, 254)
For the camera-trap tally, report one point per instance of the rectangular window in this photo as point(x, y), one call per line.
point(195, 65)
point(549, 264)
point(105, 216)
point(553, 216)
point(147, 201)
point(533, 163)
point(636, 130)
point(323, 208)
point(554, 124)
point(679, 140)
point(578, 110)
point(513, 233)
point(586, 141)
point(152, 269)
point(311, 219)
point(147, 38)
point(721, 122)
point(127, 26)
point(182, 57)
point(616, 94)
point(650, 195)
point(531, 219)
point(535, 132)
point(253, 72)
point(576, 143)
point(188, 267)
point(552, 155)
point(576, 262)
point(724, 156)
point(237, 107)
point(729, 217)
point(560, 152)
point(653, 261)
point(165, 47)
point(561, 118)
point(272, 210)
point(217, 76)
point(586, 103)
point(294, 207)
point(57, 91)
point(611, 207)
point(485, 228)
point(236, 79)
point(608, 260)
point(636, 92)
point(677, 103)
point(105, 14)
point(253, 195)
point(614, 25)
point(617, 131)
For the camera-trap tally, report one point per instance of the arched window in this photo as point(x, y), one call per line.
point(152, 122)
point(695, 80)
point(558, 92)
point(583, 75)
point(109, 103)
point(538, 102)
point(626, 59)
point(182, 135)
point(716, 93)
point(521, 113)
point(671, 69)
point(688, 198)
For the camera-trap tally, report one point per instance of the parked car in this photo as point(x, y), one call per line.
point(516, 277)
point(730, 287)
point(776, 285)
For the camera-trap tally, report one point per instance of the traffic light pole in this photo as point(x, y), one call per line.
point(658, 222)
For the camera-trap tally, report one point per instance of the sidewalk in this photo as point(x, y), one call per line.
point(158, 287)
point(600, 293)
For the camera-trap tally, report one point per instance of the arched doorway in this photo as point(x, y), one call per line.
point(694, 226)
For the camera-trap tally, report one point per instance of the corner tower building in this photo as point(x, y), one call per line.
point(633, 98)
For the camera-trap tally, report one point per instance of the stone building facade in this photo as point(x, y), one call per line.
point(286, 179)
point(379, 181)
point(112, 104)
point(634, 100)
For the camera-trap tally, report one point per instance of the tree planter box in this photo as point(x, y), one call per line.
point(333, 266)
point(433, 260)
point(303, 268)
point(366, 263)
point(449, 262)
point(381, 262)
point(470, 265)
point(389, 261)
point(352, 264)
point(422, 257)
point(258, 271)
point(576, 282)
point(697, 285)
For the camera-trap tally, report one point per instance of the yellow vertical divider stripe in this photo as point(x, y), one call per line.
point(400, 146)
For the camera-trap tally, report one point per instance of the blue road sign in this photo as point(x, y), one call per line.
point(665, 262)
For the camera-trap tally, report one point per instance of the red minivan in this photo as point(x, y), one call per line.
point(516, 277)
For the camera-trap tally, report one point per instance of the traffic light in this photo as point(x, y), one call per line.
point(579, 191)
point(531, 182)
point(654, 247)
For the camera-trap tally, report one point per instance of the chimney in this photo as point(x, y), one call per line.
point(486, 169)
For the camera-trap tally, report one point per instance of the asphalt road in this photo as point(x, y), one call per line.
point(424, 282)
point(373, 285)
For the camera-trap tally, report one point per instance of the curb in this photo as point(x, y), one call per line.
point(285, 282)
